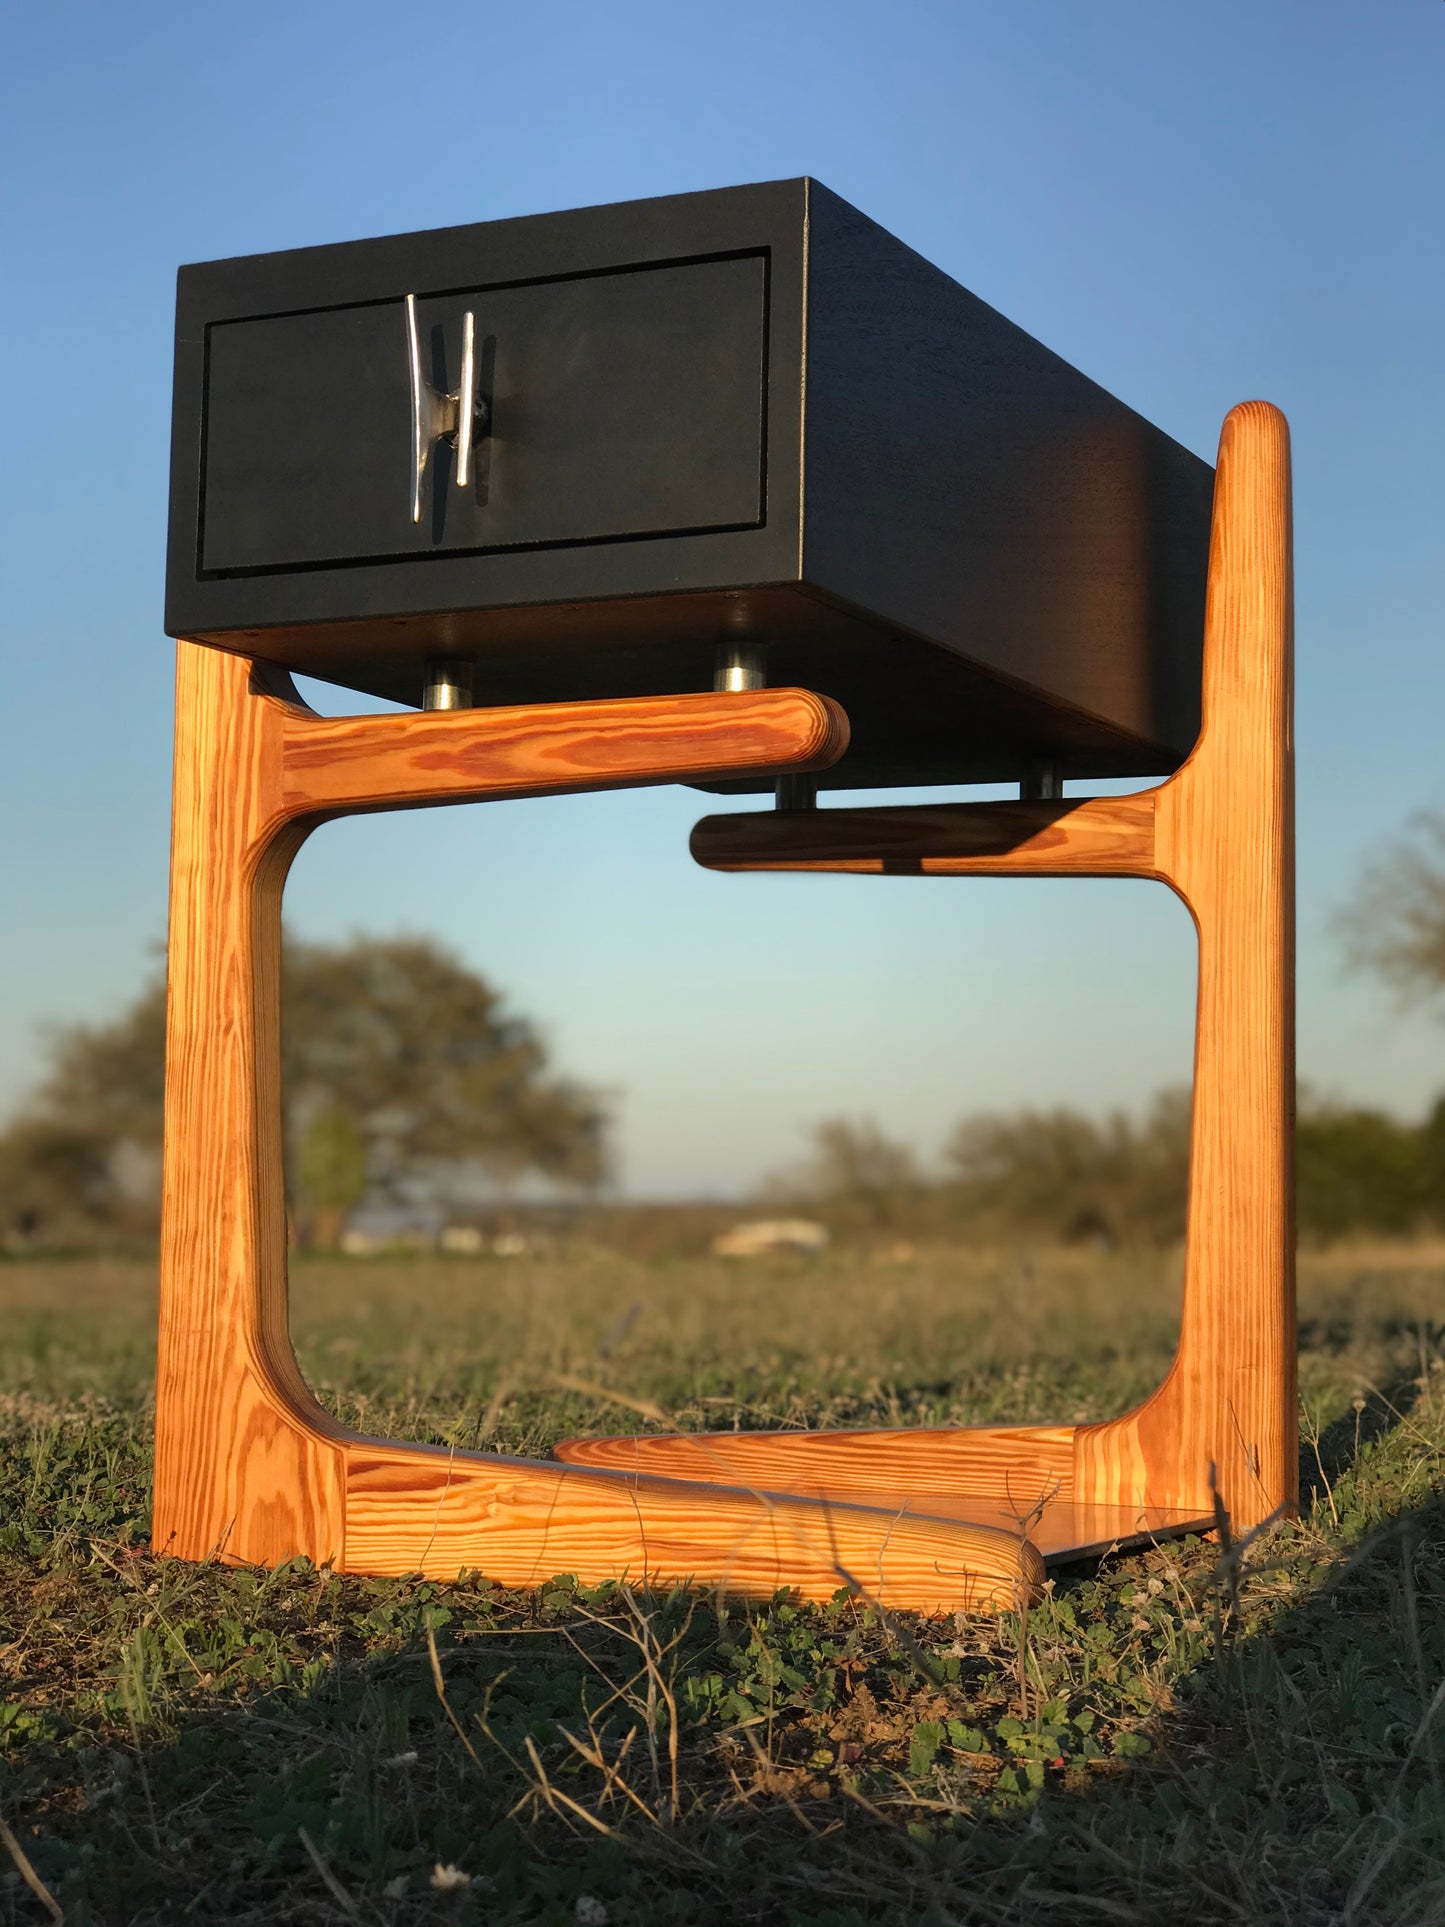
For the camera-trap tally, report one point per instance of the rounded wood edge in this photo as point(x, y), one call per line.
point(832, 730)
point(1255, 418)
point(1085, 836)
point(520, 1522)
point(336, 765)
point(817, 725)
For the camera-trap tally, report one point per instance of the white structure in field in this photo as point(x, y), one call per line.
point(761, 1237)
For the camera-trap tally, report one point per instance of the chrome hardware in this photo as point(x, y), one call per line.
point(436, 417)
point(741, 666)
point(466, 401)
point(448, 683)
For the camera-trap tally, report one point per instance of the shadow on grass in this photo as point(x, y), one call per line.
point(201, 1744)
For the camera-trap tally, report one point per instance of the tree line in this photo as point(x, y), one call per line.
point(405, 1077)
point(1061, 1176)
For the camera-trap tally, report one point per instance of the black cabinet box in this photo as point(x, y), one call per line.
point(749, 416)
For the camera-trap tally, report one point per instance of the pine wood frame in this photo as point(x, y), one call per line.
point(249, 1467)
point(1220, 833)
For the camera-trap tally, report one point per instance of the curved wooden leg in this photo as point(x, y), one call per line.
point(248, 1466)
point(1225, 839)
point(1221, 833)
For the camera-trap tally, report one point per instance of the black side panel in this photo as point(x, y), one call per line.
point(987, 495)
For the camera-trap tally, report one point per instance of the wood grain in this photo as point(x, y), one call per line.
point(1225, 840)
point(1094, 836)
point(248, 1465)
point(463, 755)
point(1221, 834)
point(416, 1509)
point(1018, 1479)
point(1015, 1464)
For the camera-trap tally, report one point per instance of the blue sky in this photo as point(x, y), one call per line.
point(1193, 205)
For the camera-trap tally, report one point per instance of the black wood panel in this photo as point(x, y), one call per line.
point(750, 414)
point(984, 493)
point(617, 405)
point(765, 220)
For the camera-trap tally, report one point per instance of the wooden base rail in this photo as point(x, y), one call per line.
point(1221, 834)
point(250, 1467)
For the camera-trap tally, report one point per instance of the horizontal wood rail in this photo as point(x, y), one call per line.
point(1098, 836)
point(310, 765)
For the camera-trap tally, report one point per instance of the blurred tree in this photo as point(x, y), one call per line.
point(416, 1054)
point(1062, 1174)
point(857, 1177)
point(330, 1176)
point(1363, 1171)
point(1051, 1174)
point(85, 1156)
point(1159, 1192)
point(109, 1079)
point(1395, 924)
point(403, 1075)
point(1433, 1162)
point(58, 1181)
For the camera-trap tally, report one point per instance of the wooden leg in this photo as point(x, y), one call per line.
point(1225, 840)
point(248, 1465)
point(1221, 833)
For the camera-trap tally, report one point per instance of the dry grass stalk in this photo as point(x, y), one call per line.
point(26, 1870)
point(328, 1879)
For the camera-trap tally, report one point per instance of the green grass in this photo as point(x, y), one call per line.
point(1168, 1737)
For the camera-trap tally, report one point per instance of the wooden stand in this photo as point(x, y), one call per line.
point(249, 1467)
point(1221, 834)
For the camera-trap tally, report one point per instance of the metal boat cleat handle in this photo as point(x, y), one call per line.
point(436, 417)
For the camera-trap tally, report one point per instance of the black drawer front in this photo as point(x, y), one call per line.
point(619, 405)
